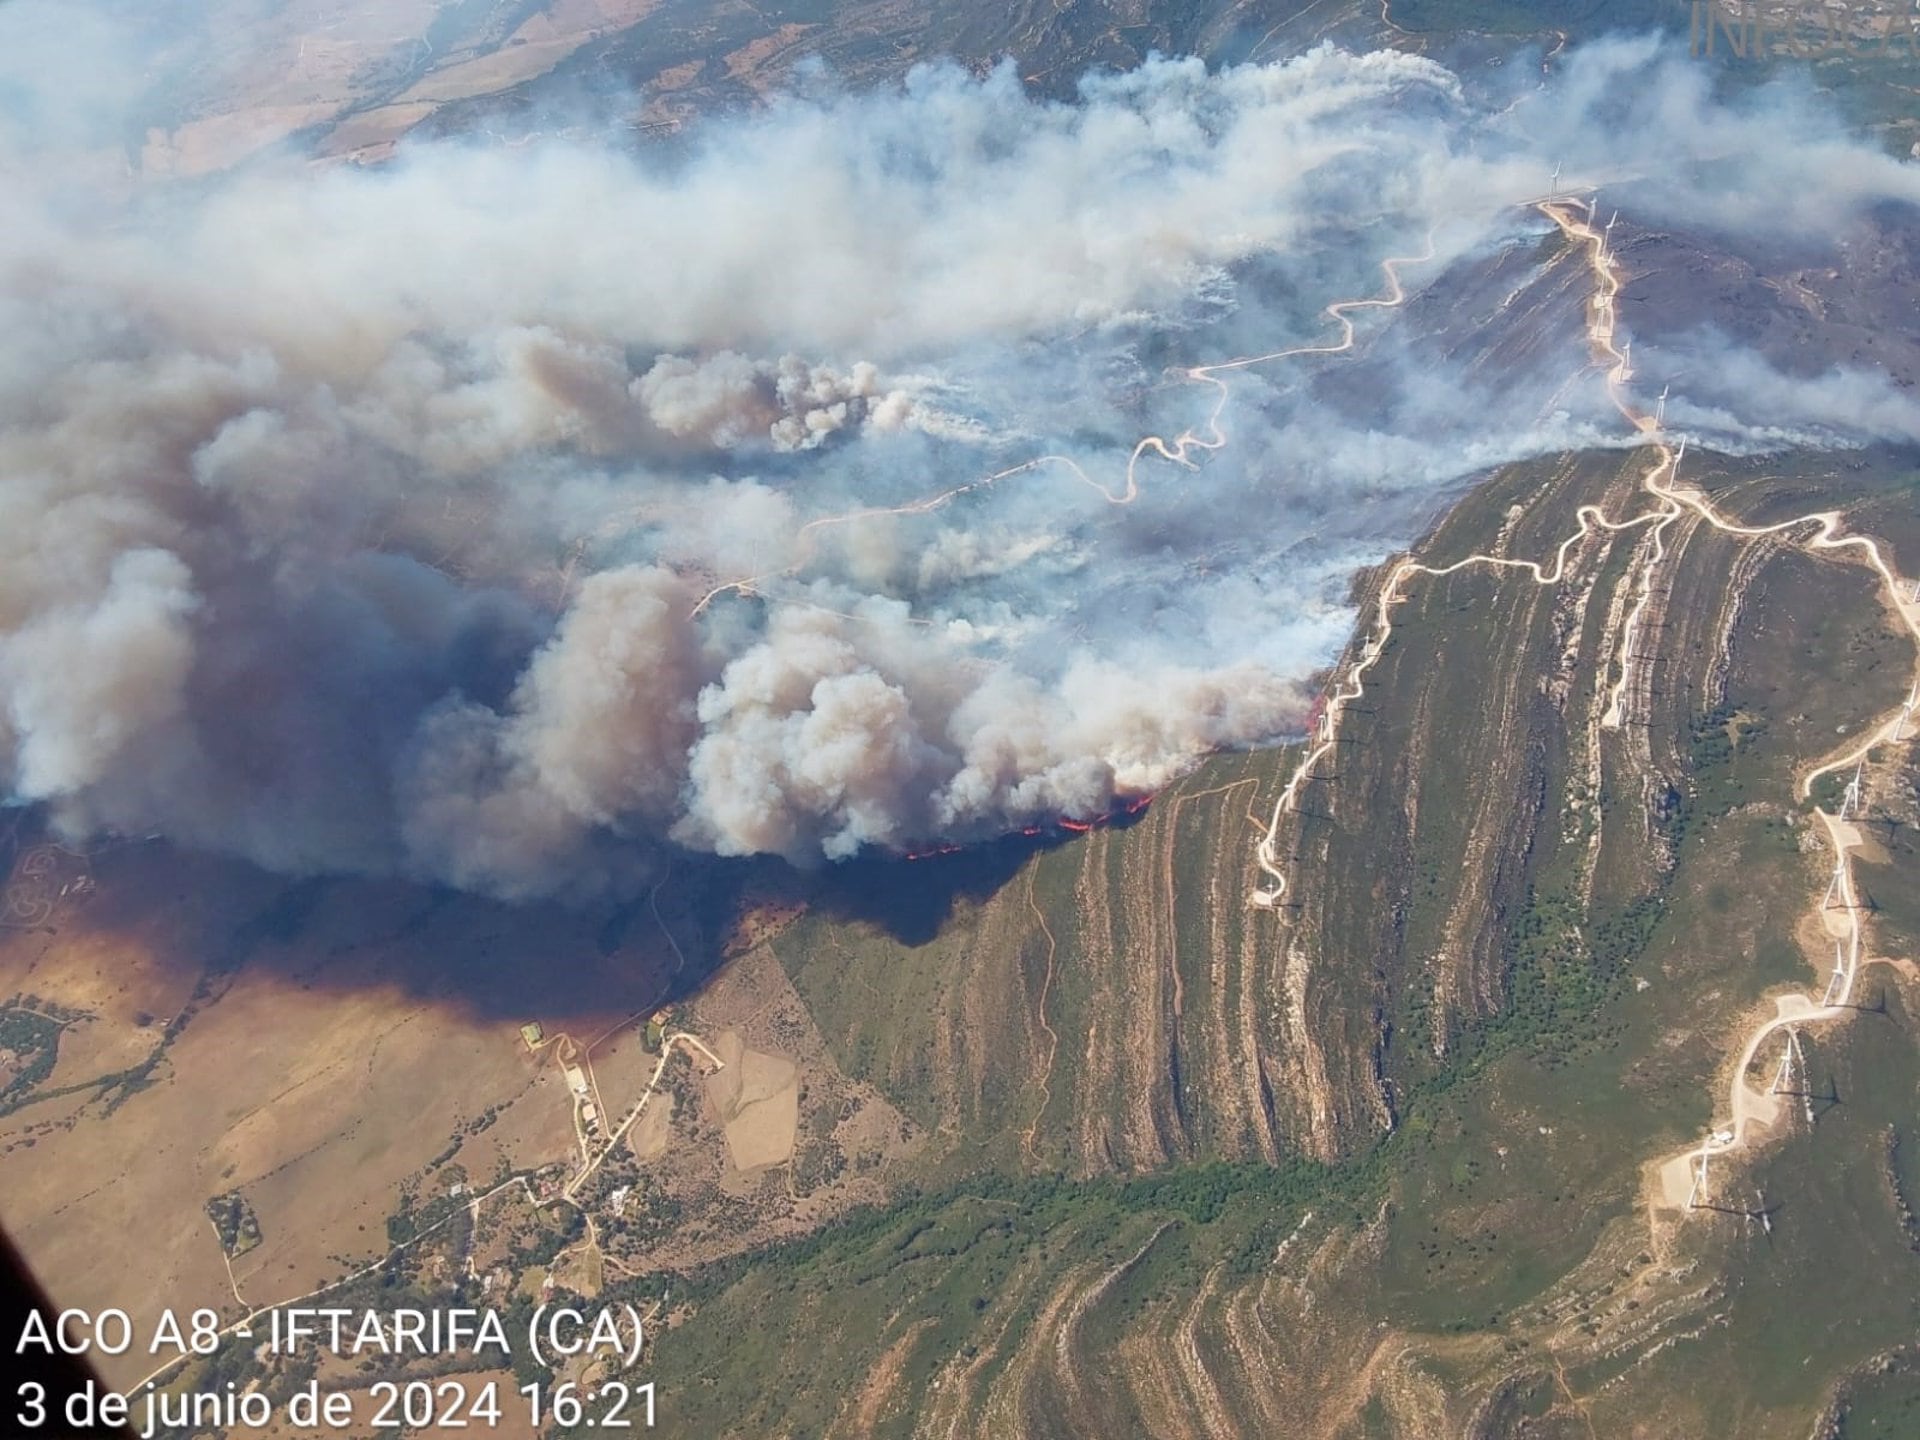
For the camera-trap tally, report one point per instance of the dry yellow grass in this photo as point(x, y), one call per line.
point(757, 1101)
point(315, 1101)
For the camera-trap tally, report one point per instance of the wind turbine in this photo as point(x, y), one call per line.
point(1699, 1179)
point(1660, 409)
point(1806, 1076)
point(1836, 886)
point(1850, 798)
point(1553, 185)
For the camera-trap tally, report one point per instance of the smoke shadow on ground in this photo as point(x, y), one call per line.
point(213, 918)
point(911, 900)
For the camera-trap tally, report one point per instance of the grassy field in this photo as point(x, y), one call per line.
point(1157, 1163)
point(1494, 1240)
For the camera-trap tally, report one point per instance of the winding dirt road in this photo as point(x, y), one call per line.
point(1682, 1178)
point(1176, 451)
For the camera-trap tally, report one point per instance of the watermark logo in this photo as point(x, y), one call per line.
point(1804, 29)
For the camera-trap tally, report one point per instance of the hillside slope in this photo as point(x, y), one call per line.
point(1554, 869)
point(1360, 1088)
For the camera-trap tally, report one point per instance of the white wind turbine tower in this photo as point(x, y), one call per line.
point(1806, 1076)
point(1660, 407)
point(1837, 885)
point(1906, 712)
point(1836, 984)
point(1850, 798)
point(1699, 1179)
point(1784, 1075)
point(1553, 185)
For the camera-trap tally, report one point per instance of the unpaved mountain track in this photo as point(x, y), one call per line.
point(1682, 1177)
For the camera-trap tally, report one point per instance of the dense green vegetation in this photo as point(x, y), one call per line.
point(234, 1221)
point(32, 1041)
point(941, 1253)
point(1517, 1141)
point(1720, 755)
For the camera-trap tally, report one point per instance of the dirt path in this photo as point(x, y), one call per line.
point(679, 1037)
point(1175, 451)
point(244, 1325)
point(1681, 1178)
point(1053, 1039)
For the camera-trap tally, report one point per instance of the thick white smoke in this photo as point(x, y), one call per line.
point(496, 515)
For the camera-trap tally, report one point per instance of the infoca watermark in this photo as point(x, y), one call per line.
point(1804, 29)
